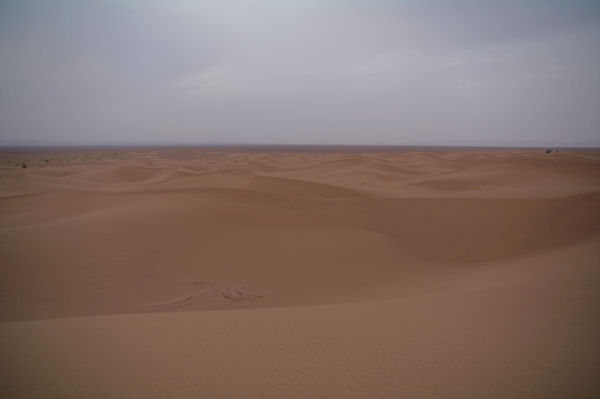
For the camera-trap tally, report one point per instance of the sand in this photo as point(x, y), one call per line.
point(299, 273)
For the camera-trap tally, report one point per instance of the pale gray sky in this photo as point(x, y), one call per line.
point(463, 72)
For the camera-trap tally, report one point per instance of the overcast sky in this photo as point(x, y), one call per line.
point(479, 72)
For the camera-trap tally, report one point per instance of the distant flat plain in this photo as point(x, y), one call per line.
point(286, 271)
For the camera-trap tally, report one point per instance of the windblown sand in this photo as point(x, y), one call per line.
point(199, 273)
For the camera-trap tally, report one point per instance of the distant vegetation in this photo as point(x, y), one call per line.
point(66, 158)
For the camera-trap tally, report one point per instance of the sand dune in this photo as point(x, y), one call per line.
point(254, 273)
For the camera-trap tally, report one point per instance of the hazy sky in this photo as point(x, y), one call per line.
point(480, 72)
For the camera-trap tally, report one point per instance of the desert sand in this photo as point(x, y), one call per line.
point(299, 273)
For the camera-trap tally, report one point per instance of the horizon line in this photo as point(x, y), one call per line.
point(273, 145)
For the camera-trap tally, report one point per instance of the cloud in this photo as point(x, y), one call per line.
point(349, 72)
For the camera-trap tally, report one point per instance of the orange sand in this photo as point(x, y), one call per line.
point(270, 274)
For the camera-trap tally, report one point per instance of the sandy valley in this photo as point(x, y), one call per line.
point(286, 273)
